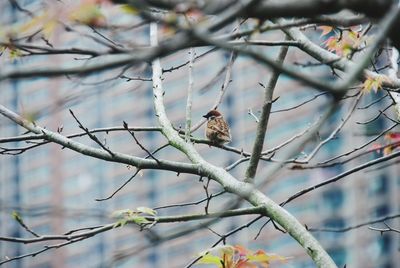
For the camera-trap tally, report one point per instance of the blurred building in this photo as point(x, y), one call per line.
point(54, 189)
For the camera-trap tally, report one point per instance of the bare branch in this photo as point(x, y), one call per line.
point(119, 188)
point(300, 104)
point(191, 203)
point(21, 222)
point(333, 133)
point(349, 228)
point(93, 137)
point(189, 101)
point(230, 183)
point(266, 111)
point(342, 175)
point(101, 154)
point(138, 143)
point(383, 230)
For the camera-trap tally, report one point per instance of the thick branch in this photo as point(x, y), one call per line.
point(311, 8)
point(231, 184)
point(266, 111)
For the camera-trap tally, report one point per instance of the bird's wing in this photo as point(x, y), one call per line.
point(221, 127)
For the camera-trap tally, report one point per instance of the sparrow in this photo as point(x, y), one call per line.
point(217, 130)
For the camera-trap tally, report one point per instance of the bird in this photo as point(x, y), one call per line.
point(217, 130)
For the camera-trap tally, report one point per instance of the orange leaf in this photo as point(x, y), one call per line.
point(241, 250)
point(331, 43)
point(394, 136)
point(245, 264)
point(376, 147)
point(325, 30)
point(388, 150)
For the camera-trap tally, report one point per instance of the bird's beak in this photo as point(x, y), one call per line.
point(205, 116)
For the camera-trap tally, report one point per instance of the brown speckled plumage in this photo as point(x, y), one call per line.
point(217, 130)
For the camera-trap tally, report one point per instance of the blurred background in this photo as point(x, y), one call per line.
point(54, 189)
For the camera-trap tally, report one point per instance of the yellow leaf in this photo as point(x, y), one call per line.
point(129, 9)
point(33, 23)
point(264, 257)
point(49, 27)
point(88, 13)
point(211, 259)
point(346, 49)
point(331, 43)
point(373, 83)
point(45, 22)
point(388, 150)
point(16, 216)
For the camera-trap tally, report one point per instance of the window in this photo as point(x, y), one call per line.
point(339, 256)
point(374, 126)
point(385, 243)
point(333, 198)
point(382, 210)
point(334, 223)
point(379, 186)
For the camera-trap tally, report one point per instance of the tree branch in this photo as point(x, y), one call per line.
point(266, 111)
point(98, 153)
point(349, 228)
point(231, 184)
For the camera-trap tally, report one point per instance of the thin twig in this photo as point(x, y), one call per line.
point(21, 222)
point(139, 144)
point(352, 227)
point(341, 176)
point(119, 188)
point(383, 230)
point(191, 203)
point(92, 136)
point(333, 133)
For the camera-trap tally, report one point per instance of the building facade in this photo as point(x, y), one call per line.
point(55, 190)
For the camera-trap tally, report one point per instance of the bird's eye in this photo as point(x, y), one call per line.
point(212, 117)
